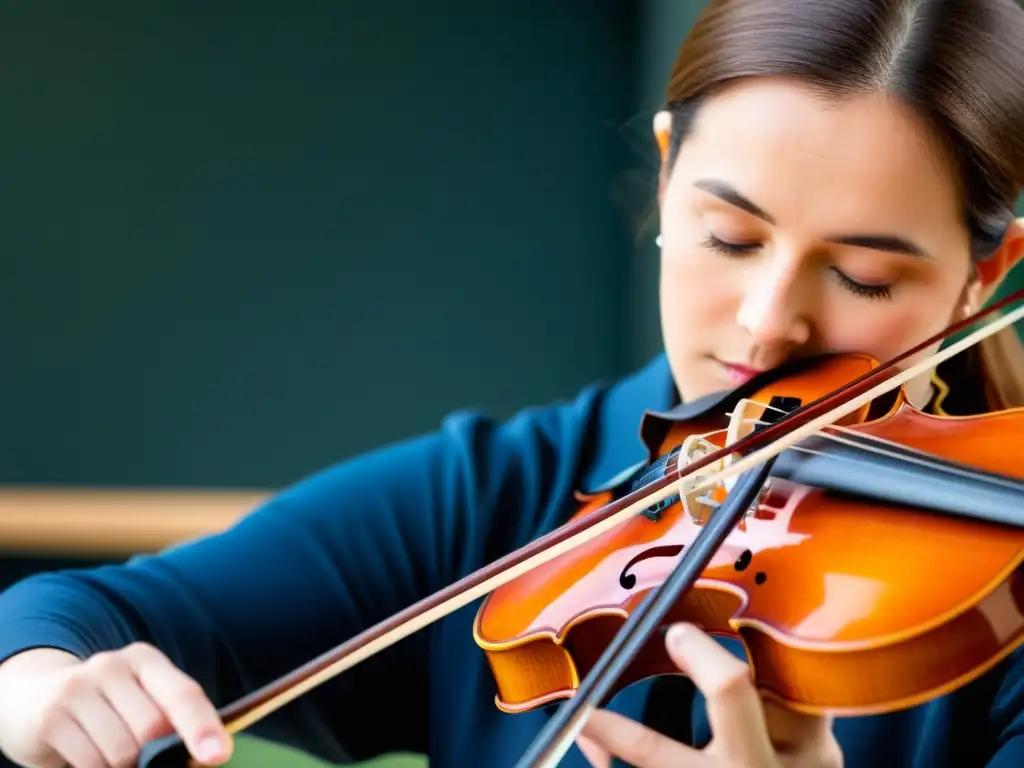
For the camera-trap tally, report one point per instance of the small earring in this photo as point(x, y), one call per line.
point(657, 241)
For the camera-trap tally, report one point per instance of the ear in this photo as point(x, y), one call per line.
point(662, 133)
point(994, 269)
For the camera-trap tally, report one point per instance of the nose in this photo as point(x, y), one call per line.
point(775, 307)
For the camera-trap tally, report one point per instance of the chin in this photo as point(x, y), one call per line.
point(697, 376)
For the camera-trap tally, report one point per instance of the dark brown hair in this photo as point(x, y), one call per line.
point(958, 63)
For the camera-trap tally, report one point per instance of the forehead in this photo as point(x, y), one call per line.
point(864, 160)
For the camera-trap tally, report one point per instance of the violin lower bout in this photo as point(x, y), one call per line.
point(811, 678)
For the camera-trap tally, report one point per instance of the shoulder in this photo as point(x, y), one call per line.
point(474, 466)
point(1007, 712)
point(589, 436)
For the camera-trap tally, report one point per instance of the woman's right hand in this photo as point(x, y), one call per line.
point(57, 710)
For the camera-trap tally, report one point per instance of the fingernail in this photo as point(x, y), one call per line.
point(210, 748)
point(678, 635)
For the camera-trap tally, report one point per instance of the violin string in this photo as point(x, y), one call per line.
point(928, 465)
point(875, 444)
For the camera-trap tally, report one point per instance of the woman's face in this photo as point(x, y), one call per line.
point(794, 227)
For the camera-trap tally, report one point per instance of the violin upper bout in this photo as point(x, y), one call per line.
point(819, 378)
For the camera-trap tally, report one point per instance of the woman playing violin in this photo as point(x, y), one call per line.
point(835, 177)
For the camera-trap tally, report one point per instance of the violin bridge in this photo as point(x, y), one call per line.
point(747, 416)
point(744, 419)
point(698, 499)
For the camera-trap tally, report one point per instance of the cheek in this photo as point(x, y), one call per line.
point(699, 302)
point(883, 331)
point(924, 302)
point(697, 297)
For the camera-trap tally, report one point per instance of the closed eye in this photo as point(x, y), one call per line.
point(858, 289)
point(731, 249)
point(862, 289)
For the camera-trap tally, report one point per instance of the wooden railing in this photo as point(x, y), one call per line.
point(101, 522)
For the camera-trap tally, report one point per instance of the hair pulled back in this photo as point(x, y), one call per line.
point(958, 63)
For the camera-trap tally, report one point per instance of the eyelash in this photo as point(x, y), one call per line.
point(859, 289)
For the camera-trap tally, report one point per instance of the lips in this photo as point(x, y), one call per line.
point(740, 374)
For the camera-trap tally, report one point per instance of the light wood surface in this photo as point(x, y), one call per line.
point(114, 522)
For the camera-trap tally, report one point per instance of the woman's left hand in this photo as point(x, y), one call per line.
point(745, 731)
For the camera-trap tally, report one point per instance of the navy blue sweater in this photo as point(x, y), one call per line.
point(355, 543)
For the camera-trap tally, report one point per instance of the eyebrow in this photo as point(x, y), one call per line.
point(878, 242)
point(725, 192)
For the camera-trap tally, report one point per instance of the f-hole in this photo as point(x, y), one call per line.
point(628, 580)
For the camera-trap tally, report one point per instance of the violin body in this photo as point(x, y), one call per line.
point(844, 605)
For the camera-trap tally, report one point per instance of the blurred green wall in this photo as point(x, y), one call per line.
point(245, 240)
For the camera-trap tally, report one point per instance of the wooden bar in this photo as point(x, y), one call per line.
point(114, 522)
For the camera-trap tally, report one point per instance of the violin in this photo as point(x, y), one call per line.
point(812, 514)
point(850, 596)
